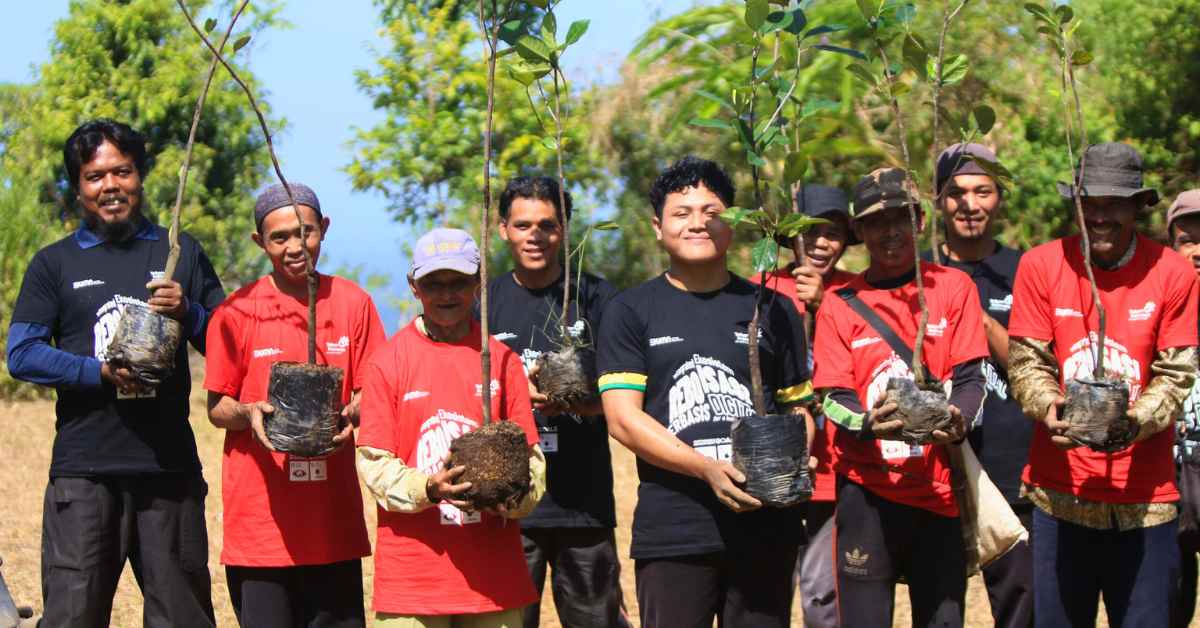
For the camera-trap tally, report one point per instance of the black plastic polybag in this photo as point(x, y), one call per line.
point(307, 401)
point(145, 343)
point(772, 452)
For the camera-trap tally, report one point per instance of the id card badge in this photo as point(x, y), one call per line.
point(305, 470)
point(548, 439)
point(451, 515)
point(900, 450)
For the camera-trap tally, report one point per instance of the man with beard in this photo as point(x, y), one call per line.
point(674, 374)
point(896, 512)
point(125, 479)
point(970, 202)
point(571, 530)
point(1105, 523)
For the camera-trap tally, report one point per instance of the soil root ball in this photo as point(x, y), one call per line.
point(1097, 414)
point(568, 376)
point(496, 457)
point(145, 343)
point(307, 401)
point(922, 410)
point(772, 452)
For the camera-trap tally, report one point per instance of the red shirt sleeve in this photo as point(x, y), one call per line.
point(969, 342)
point(518, 407)
point(224, 366)
point(1177, 327)
point(1031, 316)
point(377, 416)
point(831, 346)
point(368, 337)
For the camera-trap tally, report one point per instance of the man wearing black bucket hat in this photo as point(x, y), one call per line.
point(897, 515)
point(970, 202)
point(294, 534)
point(1105, 523)
point(125, 479)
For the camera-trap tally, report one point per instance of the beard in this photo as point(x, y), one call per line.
point(115, 232)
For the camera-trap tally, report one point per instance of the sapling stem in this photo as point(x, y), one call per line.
point(939, 194)
point(756, 383)
point(562, 204)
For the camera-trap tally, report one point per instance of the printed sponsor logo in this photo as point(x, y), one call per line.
point(529, 357)
point(893, 366)
point(1066, 312)
point(743, 337)
point(107, 317)
point(266, 353)
point(86, 283)
point(856, 562)
point(155, 275)
point(1117, 362)
point(576, 330)
point(664, 340)
point(938, 329)
point(864, 342)
point(479, 388)
point(1142, 313)
point(415, 394)
point(995, 383)
point(436, 434)
point(339, 347)
point(504, 335)
point(705, 390)
point(1000, 305)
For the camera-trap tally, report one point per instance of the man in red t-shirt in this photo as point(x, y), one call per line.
point(437, 563)
point(1105, 523)
point(294, 531)
point(896, 513)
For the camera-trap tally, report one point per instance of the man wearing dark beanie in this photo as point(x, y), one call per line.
point(970, 202)
point(294, 528)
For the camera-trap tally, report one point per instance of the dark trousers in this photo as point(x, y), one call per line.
point(305, 596)
point(814, 569)
point(585, 575)
point(1009, 579)
point(877, 542)
point(749, 585)
point(91, 526)
point(1135, 570)
point(1185, 606)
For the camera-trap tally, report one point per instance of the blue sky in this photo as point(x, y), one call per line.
point(308, 72)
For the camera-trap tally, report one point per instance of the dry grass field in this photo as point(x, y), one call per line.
point(25, 445)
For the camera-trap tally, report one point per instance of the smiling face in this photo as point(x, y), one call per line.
point(447, 296)
point(970, 206)
point(825, 243)
point(888, 237)
point(691, 229)
point(533, 232)
point(280, 239)
point(1110, 222)
point(1185, 239)
point(110, 188)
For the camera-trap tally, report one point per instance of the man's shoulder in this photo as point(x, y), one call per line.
point(1054, 250)
point(243, 298)
point(55, 251)
point(346, 290)
point(1169, 262)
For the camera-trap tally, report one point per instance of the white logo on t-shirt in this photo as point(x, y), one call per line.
point(743, 337)
point(705, 390)
point(664, 340)
point(86, 283)
point(339, 347)
point(1117, 361)
point(266, 353)
point(1142, 313)
point(479, 388)
point(437, 432)
point(504, 335)
point(1000, 305)
point(938, 329)
point(106, 323)
point(864, 342)
point(576, 329)
point(415, 394)
point(1066, 312)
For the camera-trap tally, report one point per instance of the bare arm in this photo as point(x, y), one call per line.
point(997, 339)
point(227, 413)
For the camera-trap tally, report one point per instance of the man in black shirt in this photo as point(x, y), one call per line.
point(571, 531)
point(970, 203)
point(125, 479)
point(674, 375)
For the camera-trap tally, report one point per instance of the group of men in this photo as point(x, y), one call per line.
point(1005, 332)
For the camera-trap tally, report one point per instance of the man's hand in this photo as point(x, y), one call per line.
point(254, 414)
point(877, 418)
point(441, 487)
point(723, 479)
point(349, 418)
point(810, 287)
point(121, 378)
point(541, 402)
point(1058, 428)
point(166, 298)
point(958, 429)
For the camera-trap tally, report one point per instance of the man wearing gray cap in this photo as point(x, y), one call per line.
point(1105, 521)
point(294, 533)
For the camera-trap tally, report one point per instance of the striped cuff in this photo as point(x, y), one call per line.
point(623, 381)
point(842, 415)
point(795, 394)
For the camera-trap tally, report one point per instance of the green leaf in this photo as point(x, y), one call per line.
point(576, 30)
point(541, 4)
point(825, 30)
point(1081, 57)
point(756, 13)
point(209, 25)
point(840, 50)
point(954, 69)
point(715, 98)
point(1037, 10)
point(1065, 13)
point(532, 48)
point(764, 255)
point(776, 21)
point(995, 169)
point(549, 144)
point(734, 216)
point(985, 118)
point(793, 225)
point(526, 73)
point(607, 225)
point(869, 10)
point(758, 217)
point(799, 21)
point(711, 123)
point(861, 72)
point(819, 105)
point(795, 167)
point(905, 13)
point(915, 55)
point(511, 31)
point(241, 42)
point(756, 160)
point(549, 27)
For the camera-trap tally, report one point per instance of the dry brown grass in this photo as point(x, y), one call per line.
point(25, 443)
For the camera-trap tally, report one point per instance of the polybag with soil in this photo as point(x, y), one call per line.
point(772, 452)
point(567, 376)
point(1097, 412)
point(307, 401)
point(496, 457)
point(145, 343)
point(922, 409)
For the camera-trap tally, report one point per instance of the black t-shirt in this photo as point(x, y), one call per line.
point(79, 295)
point(579, 491)
point(688, 352)
point(1002, 437)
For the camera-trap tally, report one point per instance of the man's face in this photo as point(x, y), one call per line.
point(533, 233)
point(447, 296)
point(825, 243)
point(110, 189)
point(970, 206)
point(280, 239)
point(691, 229)
point(888, 237)
point(1110, 223)
point(1185, 239)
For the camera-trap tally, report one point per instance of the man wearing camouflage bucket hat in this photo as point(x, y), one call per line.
point(1122, 503)
point(896, 516)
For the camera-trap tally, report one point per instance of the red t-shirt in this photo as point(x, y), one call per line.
point(851, 354)
point(418, 397)
point(824, 480)
point(269, 519)
point(1151, 305)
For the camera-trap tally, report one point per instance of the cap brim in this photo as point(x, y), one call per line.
point(458, 265)
point(1181, 213)
point(1065, 190)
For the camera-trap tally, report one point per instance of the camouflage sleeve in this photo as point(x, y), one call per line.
point(1032, 375)
point(1171, 376)
point(395, 486)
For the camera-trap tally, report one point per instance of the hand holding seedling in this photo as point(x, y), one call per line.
point(724, 479)
point(958, 428)
point(441, 487)
point(877, 418)
point(349, 419)
point(540, 401)
point(1058, 427)
point(255, 414)
point(166, 298)
point(121, 378)
point(809, 286)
